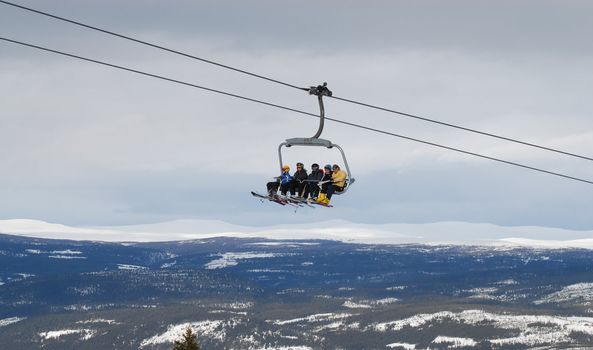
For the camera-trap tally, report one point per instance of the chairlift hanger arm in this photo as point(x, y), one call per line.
point(320, 91)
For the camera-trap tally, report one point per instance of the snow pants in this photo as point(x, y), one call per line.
point(329, 189)
point(273, 187)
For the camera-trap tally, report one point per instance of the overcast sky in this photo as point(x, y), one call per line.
point(83, 144)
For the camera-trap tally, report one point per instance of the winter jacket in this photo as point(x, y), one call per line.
point(285, 178)
point(339, 178)
point(316, 175)
point(300, 175)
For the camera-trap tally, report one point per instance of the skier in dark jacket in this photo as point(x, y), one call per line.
point(298, 183)
point(284, 182)
point(312, 184)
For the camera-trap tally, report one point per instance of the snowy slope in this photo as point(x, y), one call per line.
point(432, 233)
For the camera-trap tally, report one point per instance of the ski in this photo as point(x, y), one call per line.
point(291, 201)
point(307, 203)
point(300, 201)
point(275, 199)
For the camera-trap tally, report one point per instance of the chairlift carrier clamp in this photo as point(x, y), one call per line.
point(315, 141)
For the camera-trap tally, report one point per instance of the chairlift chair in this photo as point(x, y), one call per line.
point(315, 141)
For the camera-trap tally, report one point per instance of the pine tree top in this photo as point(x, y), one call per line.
point(188, 342)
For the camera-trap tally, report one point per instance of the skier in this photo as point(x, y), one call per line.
point(325, 184)
point(283, 182)
point(297, 187)
point(312, 184)
point(336, 184)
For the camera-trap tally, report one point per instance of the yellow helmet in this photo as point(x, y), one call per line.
point(285, 168)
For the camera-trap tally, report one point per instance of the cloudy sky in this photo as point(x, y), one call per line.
point(82, 144)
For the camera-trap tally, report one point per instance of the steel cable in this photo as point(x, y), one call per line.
point(434, 121)
point(296, 110)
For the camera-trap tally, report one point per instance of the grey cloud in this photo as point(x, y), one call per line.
point(115, 148)
point(551, 27)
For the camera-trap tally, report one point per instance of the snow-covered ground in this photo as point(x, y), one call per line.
point(232, 259)
point(312, 318)
point(84, 334)
point(580, 292)
point(493, 293)
point(214, 329)
point(66, 252)
point(432, 233)
point(454, 342)
point(533, 330)
point(69, 257)
point(368, 304)
point(130, 267)
point(283, 244)
point(403, 346)
point(57, 254)
point(98, 321)
point(355, 305)
point(8, 321)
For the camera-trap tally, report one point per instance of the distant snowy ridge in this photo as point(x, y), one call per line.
point(582, 292)
point(312, 318)
point(98, 320)
point(455, 342)
point(8, 321)
point(404, 346)
point(368, 304)
point(456, 233)
point(69, 257)
point(85, 334)
point(130, 267)
point(556, 244)
point(232, 259)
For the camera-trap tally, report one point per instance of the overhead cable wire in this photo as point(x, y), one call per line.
point(160, 47)
point(296, 110)
point(462, 128)
point(368, 105)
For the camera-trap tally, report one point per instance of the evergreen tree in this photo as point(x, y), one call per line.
point(188, 342)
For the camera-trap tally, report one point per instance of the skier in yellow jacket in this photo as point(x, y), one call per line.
point(337, 184)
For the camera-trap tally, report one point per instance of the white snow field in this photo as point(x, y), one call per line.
point(431, 233)
point(454, 342)
point(84, 334)
point(533, 330)
point(232, 259)
point(130, 267)
point(8, 321)
point(174, 332)
point(312, 318)
point(403, 346)
point(579, 292)
point(522, 330)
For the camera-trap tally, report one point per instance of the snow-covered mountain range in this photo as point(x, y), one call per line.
point(462, 233)
point(254, 293)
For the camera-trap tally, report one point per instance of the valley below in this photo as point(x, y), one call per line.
point(251, 293)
